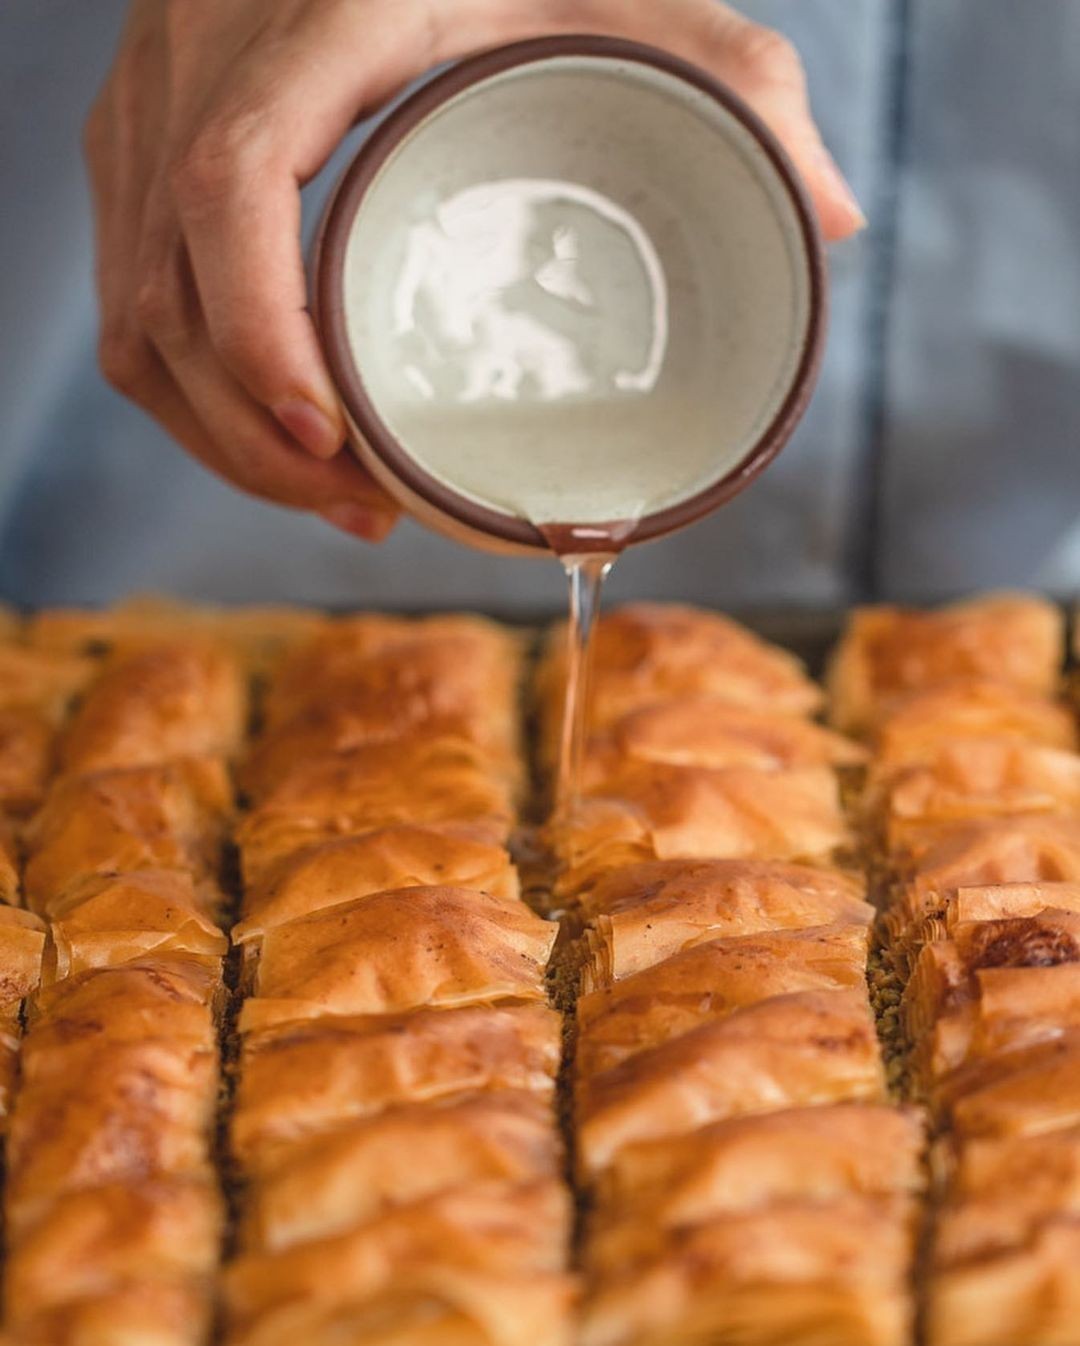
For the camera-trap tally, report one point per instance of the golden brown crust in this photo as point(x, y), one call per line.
point(709, 981)
point(826, 1274)
point(26, 758)
point(327, 875)
point(157, 705)
point(362, 723)
point(173, 997)
point(172, 816)
point(685, 813)
point(524, 1310)
point(1000, 1191)
point(970, 709)
point(260, 635)
point(310, 1078)
point(343, 1178)
point(373, 678)
point(798, 1154)
point(994, 987)
point(392, 952)
point(1029, 1091)
point(141, 1108)
point(463, 1246)
point(22, 943)
point(149, 1313)
point(790, 1051)
point(1036, 848)
point(646, 653)
point(103, 922)
point(9, 862)
point(887, 652)
point(40, 681)
point(163, 1230)
point(1029, 1294)
point(714, 734)
point(413, 781)
point(644, 913)
point(975, 903)
point(968, 779)
point(22, 940)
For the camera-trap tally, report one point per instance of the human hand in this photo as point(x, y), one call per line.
point(216, 112)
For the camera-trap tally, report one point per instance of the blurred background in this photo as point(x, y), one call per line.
point(941, 453)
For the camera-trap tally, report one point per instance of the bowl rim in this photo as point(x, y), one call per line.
point(331, 245)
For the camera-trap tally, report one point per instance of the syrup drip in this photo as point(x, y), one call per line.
point(586, 574)
point(587, 553)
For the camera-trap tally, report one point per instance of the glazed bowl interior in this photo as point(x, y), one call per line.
point(578, 285)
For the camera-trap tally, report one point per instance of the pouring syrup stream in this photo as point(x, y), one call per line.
point(586, 575)
point(587, 552)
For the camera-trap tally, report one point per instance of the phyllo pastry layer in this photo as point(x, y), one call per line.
point(1015, 639)
point(157, 705)
point(115, 822)
point(406, 949)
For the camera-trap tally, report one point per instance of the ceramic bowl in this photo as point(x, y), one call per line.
point(691, 319)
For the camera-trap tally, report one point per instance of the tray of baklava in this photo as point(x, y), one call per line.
point(316, 1031)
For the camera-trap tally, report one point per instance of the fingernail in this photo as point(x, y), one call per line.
point(310, 426)
point(373, 525)
point(842, 191)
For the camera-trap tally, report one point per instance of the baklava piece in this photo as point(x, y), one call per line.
point(118, 1082)
point(808, 1048)
point(105, 921)
point(412, 782)
point(372, 678)
point(646, 653)
point(401, 950)
point(339, 1179)
point(707, 733)
point(889, 652)
point(156, 705)
point(662, 813)
point(479, 1265)
point(22, 943)
point(708, 981)
point(326, 875)
point(642, 914)
point(172, 816)
point(36, 692)
point(259, 635)
point(309, 1078)
point(823, 1273)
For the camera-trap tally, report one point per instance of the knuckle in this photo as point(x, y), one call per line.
point(770, 56)
point(215, 157)
point(203, 168)
point(155, 302)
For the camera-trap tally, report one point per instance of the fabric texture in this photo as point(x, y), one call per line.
point(939, 453)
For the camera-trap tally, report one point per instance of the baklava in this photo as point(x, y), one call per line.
point(722, 1007)
point(973, 810)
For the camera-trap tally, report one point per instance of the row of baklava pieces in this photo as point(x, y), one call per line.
point(394, 1125)
point(271, 829)
point(387, 761)
point(973, 806)
point(748, 1179)
point(114, 768)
